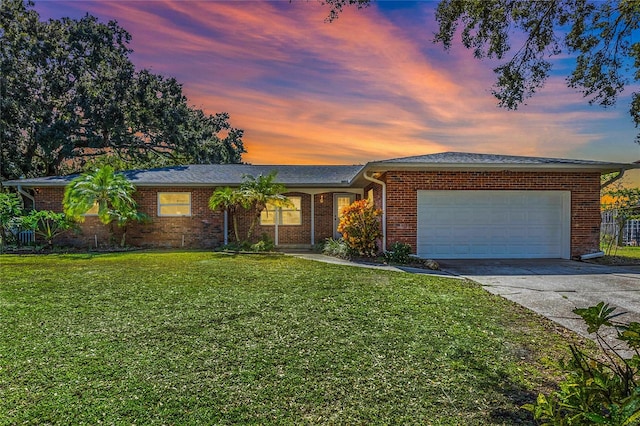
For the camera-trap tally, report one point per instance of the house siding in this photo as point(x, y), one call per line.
point(402, 187)
point(203, 229)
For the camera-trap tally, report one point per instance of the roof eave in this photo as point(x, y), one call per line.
point(343, 184)
point(602, 168)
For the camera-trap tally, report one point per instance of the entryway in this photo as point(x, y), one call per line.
point(340, 201)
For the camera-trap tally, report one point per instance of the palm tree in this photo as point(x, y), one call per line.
point(260, 191)
point(229, 200)
point(253, 194)
point(124, 217)
point(111, 192)
point(102, 187)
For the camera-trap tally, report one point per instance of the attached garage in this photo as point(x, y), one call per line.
point(476, 224)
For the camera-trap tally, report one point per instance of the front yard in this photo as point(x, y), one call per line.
point(623, 255)
point(204, 338)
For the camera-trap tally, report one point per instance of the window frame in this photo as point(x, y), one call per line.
point(280, 216)
point(95, 207)
point(160, 205)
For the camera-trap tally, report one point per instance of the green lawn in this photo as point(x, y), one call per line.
point(204, 338)
point(623, 255)
point(627, 251)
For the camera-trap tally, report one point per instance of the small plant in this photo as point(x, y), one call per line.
point(398, 253)
point(622, 204)
point(47, 224)
point(337, 248)
point(360, 227)
point(10, 216)
point(265, 244)
point(603, 390)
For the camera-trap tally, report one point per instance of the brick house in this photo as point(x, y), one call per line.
point(447, 205)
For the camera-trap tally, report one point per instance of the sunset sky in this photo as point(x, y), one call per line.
point(366, 87)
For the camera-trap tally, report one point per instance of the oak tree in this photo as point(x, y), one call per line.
point(69, 92)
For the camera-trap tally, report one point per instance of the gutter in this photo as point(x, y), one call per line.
point(592, 255)
point(613, 179)
point(384, 207)
point(26, 194)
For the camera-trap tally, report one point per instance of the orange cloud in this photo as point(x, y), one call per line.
point(368, 86)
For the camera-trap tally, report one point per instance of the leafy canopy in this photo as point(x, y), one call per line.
point(111, 192)
point(47, 224)
point(10, 215)
point(253, 194)
point(69, 93)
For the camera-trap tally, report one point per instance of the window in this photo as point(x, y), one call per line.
point(288, 215)
point(93, 211)
point(174, 204)
point(370, 196)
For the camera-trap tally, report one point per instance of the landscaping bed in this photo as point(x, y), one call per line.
point(209, 338)
point(620, 256)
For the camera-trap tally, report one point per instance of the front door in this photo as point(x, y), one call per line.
point(340, 201)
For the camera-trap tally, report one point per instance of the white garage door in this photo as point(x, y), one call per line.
point(494, 224)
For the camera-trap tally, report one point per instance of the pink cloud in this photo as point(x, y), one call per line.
point(368, 86)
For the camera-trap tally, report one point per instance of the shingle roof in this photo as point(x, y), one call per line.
point(466, 158)
point(333, 176)
point(220, 175)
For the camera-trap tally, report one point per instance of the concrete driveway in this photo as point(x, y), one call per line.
point(553, 287)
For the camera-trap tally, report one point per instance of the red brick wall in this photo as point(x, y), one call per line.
point(324, 216)
point(377, 194)
point(203, 229)
point(402, 187)
point(287, 234)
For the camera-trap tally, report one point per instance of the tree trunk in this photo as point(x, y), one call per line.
point(252, 227)
point(235, 228)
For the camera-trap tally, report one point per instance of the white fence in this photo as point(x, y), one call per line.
point(630, 231)
point(26, 237)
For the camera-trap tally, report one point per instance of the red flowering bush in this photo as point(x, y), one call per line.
point(360, 227)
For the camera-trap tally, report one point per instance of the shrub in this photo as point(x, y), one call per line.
point(47, 224)
point(360, 227)
point(10, 216)
point(265, 244)
point(337, 248)
point(602, 390)
point(398, 253)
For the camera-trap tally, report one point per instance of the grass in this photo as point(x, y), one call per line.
point(621, 255)
point(627, 251)
point(204, 338)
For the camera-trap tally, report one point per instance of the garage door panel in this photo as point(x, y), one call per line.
point(492, 224)
point(515, 216)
